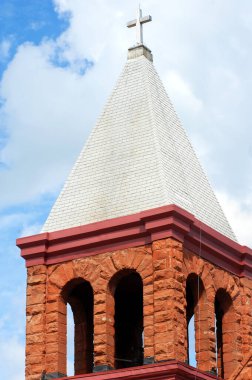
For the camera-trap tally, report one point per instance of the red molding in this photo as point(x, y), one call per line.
point(136, 230)
point(160, 371)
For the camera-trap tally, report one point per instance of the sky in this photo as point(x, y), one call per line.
point(59, 60)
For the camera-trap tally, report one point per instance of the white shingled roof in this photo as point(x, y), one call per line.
point(138, 157)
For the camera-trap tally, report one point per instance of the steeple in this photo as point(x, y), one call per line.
point(138, 157)
point(150, 264)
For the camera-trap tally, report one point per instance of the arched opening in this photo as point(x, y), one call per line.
point(127, 288)
point(194, 291)
point(79, 295)
point(223, 329)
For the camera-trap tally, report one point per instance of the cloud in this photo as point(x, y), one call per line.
point(181, 91)
point(12, 346)
point(50, 107)
point(239, 213)
point(37, 25)
point(5, 46)
point(26, 222)
point(54, 91)
point(51, 94)
point(31, 229)
point(12, 351)
point(41, 148)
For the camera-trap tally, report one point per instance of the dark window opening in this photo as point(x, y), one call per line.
point(79, 295)
point(129, 321)
point(194, 290)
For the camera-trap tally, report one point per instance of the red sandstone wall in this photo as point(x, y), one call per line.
point(244, 369)
point(163, 267)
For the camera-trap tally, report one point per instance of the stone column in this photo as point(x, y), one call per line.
point(146, 272)
point(56, 330)
point(103, 315)
point(169, 301)
point(246, 314)
point(103, 331)
point(204, 335)
point(35, 322)
point(56, 320)
point(230, 339)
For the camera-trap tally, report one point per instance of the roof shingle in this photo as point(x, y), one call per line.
point(138, 157)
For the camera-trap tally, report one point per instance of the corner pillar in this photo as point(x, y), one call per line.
point(35, 322)
point(169, 301)
point(103, 331)
point(56, 331)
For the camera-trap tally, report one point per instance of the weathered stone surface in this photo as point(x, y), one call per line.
point(164, 268)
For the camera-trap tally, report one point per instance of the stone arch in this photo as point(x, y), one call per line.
point(58, 276)
point(214, 279)
point(137, 260)
point(192, 263)
point(62, 280)
point(205, 341)
point(197, 305)
point(226, 285)
point(98, 271)
point(126, 287)
point(224, 280)
point(78, 293)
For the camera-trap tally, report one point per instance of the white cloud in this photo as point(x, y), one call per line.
point(49, 110)
point(12, 319)
point(239, 213)
point(43, 139)
point(31, 229)
point(181, 91)
point(12, 352)
point(26, 221)
point(202, 51)
point(5, 46)
point(36, 25)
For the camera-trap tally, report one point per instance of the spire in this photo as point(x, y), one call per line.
point(138, 23)
point(138, 157)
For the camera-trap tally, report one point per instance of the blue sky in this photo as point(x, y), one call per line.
point(59, 61)
point(22, 22)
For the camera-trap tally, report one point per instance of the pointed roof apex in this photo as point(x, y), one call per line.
point(138, 51)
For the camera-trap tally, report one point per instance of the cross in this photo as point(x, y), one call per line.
point(138, 22)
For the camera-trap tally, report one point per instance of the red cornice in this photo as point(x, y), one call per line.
point(160, 371)
point(136, 230)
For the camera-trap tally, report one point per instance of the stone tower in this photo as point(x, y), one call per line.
point(138, 245)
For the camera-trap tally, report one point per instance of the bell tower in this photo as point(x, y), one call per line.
point(139, 247)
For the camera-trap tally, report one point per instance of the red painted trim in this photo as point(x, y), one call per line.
point(137, 230)
point(160, 371)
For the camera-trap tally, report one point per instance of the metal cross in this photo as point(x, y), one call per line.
point(138, 22)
